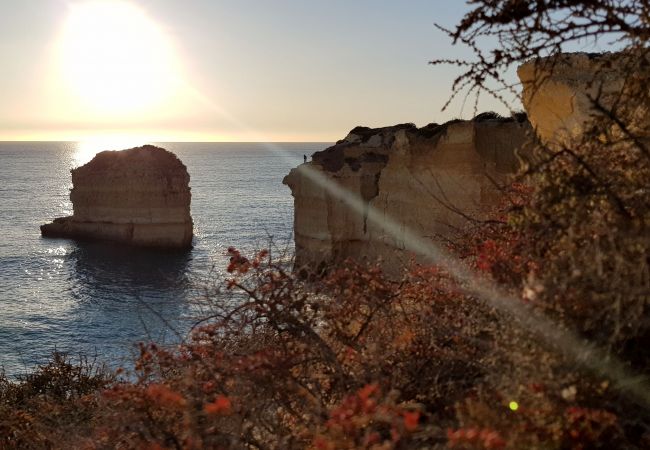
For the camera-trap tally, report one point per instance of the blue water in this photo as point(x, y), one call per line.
point(100, 299)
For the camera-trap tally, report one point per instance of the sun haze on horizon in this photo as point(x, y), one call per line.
point(114, 66)
point(218, 71)
point(113, 59)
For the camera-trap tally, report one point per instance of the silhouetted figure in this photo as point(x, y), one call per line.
point(305, 157)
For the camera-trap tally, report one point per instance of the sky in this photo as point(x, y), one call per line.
point(213, 70)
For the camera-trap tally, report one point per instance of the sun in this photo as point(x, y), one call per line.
point(116, 60)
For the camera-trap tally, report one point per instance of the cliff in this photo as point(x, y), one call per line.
point(561, 94)
point(139, 197)
point(433, 180)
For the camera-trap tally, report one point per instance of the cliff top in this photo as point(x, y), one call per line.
point(379, 140)
point(579, 68)
point(361, 134)
point(154, 159)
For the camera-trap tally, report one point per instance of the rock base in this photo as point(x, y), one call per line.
point(159, 235)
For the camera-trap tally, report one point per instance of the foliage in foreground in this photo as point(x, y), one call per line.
point(353, 361)
point(50, 406)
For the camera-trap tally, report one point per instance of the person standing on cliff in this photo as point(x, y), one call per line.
point(305, 157)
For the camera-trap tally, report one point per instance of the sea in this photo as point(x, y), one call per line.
point(97, 299)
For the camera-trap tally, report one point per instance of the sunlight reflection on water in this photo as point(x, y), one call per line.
point(97, 298)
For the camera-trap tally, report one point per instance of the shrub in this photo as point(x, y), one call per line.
point(46, 407)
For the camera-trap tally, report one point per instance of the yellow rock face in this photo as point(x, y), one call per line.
point(559, 93)
point(139, 197)
point(431, 180)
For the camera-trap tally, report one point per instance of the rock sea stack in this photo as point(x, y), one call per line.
point(433, 180)
point(139, 197)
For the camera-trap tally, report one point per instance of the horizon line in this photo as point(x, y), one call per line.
point(175, 142)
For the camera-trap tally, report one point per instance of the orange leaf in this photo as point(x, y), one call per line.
point(405, 339)
point(366, 391)
point(411, 420)
point(221, 405)
point(164, 395)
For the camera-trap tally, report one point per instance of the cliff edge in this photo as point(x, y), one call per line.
point(138, 197)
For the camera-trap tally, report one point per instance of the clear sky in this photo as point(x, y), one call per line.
point(215, 70)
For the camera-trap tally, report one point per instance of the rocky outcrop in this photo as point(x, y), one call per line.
point(139, 197)
point(433, 180)
point(561, 93)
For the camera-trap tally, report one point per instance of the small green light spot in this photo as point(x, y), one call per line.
point(514, 406)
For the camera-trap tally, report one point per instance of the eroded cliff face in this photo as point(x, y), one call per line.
point(139, 197)
point(433, 180)
point(564, 93)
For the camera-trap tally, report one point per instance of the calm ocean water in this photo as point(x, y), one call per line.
point(100, 299)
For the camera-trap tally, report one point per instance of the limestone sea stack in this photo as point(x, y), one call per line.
point(139, 197)
point(432, 180)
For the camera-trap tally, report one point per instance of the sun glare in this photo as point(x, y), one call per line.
point(89, 147)
point(115, 59)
